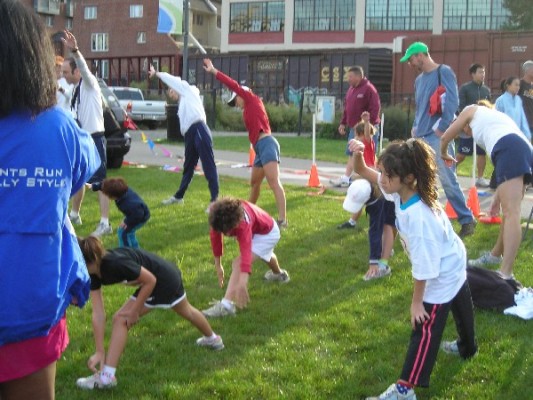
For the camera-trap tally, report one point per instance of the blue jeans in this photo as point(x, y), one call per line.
point(127, 238)
point(448, 180)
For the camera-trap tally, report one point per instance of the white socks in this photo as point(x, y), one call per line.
point(228, 305)
point(107, 374)
point(104, 221)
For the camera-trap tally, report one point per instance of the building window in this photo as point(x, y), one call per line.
point(263, 16)
point(100, 42)
point(399, 15)
point(136, 11)
point(141, 37)
point(102, 69)
point(324, 15)
point(49, 20)
point(90, 12)
point(476, 15)
point(198, 19)
point(68, 23)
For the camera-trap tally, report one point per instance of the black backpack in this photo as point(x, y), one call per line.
point(489, 290)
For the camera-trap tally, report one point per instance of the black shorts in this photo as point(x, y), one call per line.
point(166, 294)
point(101, 172)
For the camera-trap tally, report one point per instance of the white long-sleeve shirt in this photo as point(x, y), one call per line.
point(191, 107)
point(88, 107)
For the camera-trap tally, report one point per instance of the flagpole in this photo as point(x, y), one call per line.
point(185, 72)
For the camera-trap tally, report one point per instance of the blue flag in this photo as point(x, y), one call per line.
point(170, 18)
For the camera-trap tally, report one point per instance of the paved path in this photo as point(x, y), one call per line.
point(292, 170)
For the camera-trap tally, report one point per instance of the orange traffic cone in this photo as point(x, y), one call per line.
point(473, 201)
point(251, 156)
point(314, 181)
point(450, 212)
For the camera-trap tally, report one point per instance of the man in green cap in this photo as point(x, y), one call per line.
point(431, 127)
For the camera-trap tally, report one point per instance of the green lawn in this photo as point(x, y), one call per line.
point(326, 150)
point(325, 335)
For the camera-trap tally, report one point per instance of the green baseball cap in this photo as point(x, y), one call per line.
point(415, 48)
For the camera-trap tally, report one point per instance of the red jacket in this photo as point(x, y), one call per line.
point(254, 114)
point(256, 221)
point(363, 97)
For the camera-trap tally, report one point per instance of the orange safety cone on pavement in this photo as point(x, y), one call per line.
point(473, 201)
point(450, 212)
point(251, 156)
point(314, 181)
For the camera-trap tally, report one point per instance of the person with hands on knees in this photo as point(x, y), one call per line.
point(160, 286)
point(267, 151)
point(408, 176)
point(135, 210)
point(257, 234)
point(510, 152)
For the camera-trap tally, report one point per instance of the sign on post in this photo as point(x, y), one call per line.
point(325, 109)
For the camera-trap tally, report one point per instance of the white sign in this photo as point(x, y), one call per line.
point(325, 109)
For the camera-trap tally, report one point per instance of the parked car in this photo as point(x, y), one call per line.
point(150, 112)
point(117, 122)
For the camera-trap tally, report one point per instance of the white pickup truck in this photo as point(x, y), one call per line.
point(140, 110)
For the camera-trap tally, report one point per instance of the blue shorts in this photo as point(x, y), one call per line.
point(466, 147)
point(511, 158)
point(266, 150)
point(350, 137)
point(101, 172)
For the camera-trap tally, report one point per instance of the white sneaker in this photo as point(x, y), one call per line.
point(282, 277)
point(486, 259)
point(482, 183)
point(94, 382)
point(102, 229)
point(215, 343)
point(218, 310)
point(392, 394)
point(75, 220)
point(339, 182)
point(172, 200)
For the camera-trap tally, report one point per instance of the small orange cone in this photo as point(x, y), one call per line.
point(473, 201)
point(450, 212)
point(251, 156)
point(314, 181)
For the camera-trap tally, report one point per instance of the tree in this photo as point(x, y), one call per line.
point(521, 17)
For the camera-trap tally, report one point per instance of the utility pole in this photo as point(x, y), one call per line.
point(185, 54)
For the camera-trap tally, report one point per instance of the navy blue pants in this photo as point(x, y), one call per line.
point(380, 212)
point(199, 145)
point(426, 338)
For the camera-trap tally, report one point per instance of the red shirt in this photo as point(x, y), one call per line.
point(255, 221)
point(254, 114)
point(363, 97)
point(369, 153)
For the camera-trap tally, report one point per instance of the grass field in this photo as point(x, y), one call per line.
point(325, 335)
point(326, 150)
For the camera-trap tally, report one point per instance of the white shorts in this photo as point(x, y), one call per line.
point(263, 245)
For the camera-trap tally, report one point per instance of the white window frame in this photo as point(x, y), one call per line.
point(49, 21)
point(103, 71)
point(69, 22)
point(136, 10)
point(90, 12)
point(99, 42)
point(141, 37)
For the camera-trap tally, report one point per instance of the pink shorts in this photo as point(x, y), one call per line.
point(21, 359)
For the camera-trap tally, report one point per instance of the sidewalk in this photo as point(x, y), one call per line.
point(292, 170)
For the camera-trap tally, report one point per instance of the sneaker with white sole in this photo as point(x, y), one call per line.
point(486, 259)
point(392, 393)
point(339, 182)
point(94, 382)
point(102, 229)
point(450, 347)
point(213, 343)
point(75, 220)
point(482, 183)
point(383, 270)
point(347, 225)
point(172, 200)
point(282, 277)
point(218, 310)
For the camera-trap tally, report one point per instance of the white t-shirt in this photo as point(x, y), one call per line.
point(89, 108)
point(63, 99)
point(489, 126)
point(437, 254)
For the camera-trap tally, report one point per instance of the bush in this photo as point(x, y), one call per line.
point(397, 123)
